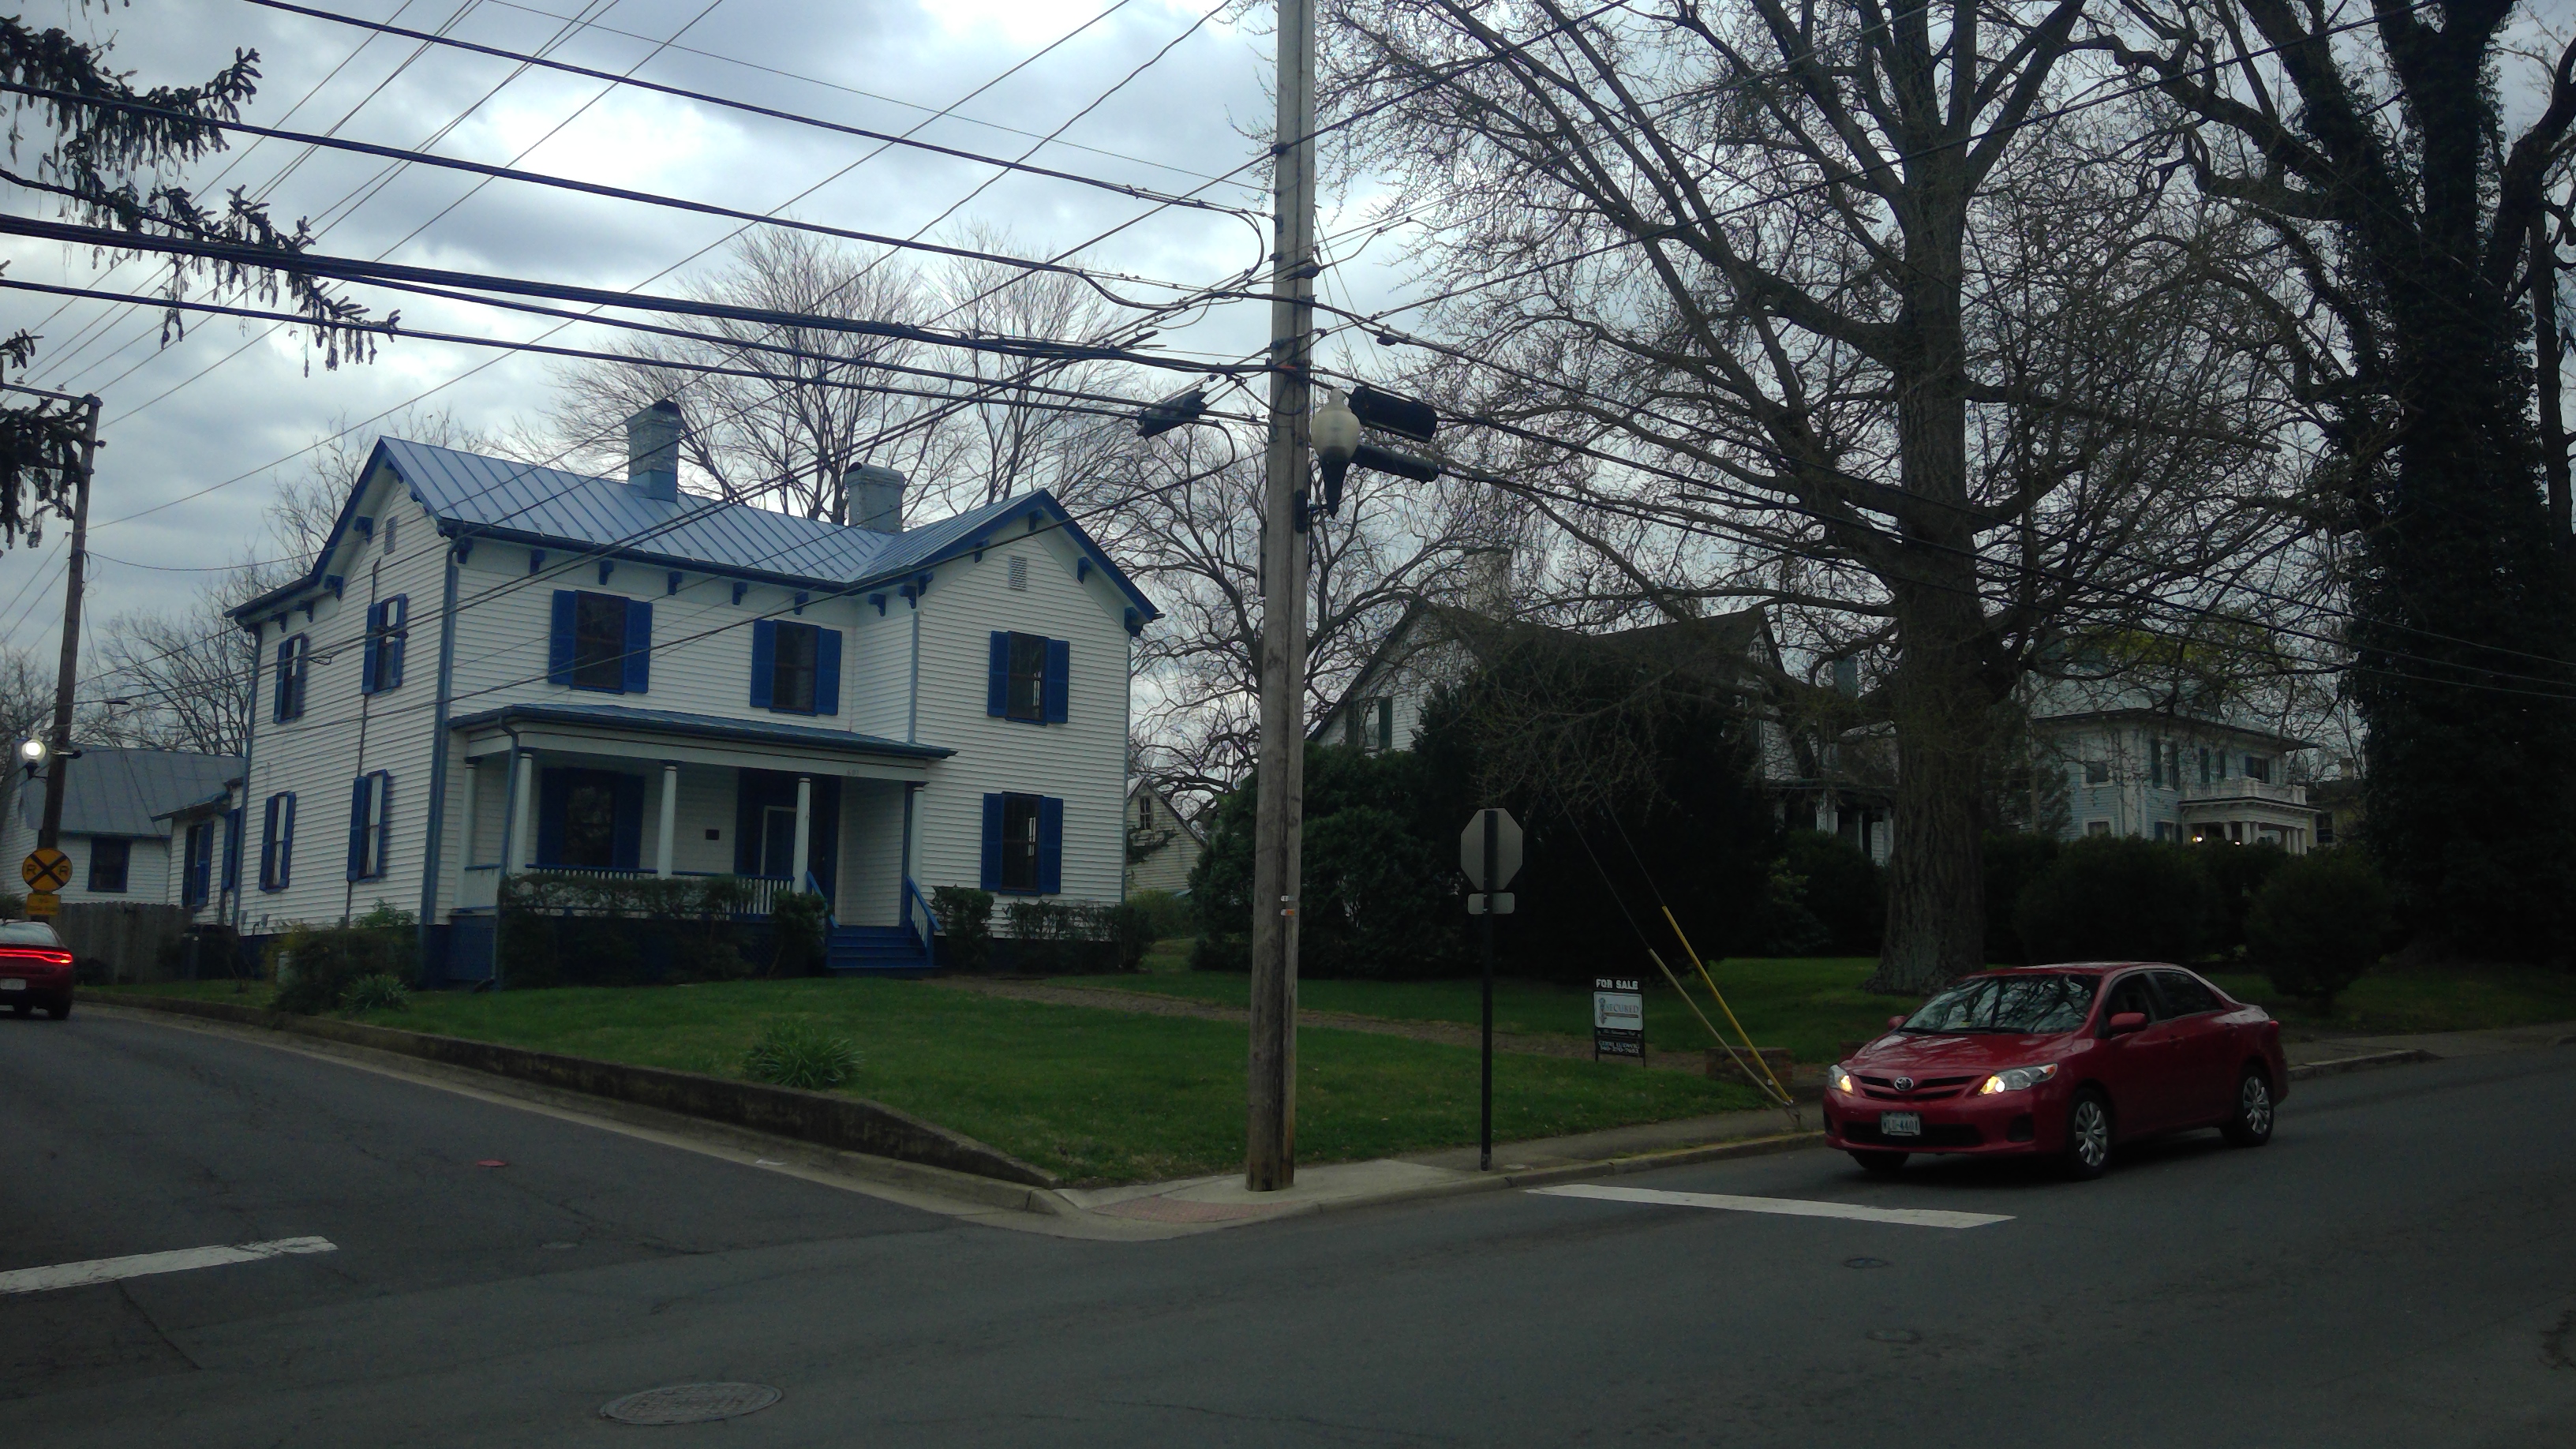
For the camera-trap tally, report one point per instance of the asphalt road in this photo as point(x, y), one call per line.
point(2397, 1268)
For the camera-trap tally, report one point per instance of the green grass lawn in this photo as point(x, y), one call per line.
point(1097, 1096)
point(1812, 1005)
point(1808, 1006)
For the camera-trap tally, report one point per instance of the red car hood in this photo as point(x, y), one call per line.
point(1931, 1055)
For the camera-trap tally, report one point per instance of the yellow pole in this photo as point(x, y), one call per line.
point(1713, 1033)
point(1721, 1003)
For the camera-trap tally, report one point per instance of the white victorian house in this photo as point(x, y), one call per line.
point(2116, 759)
point(494, 667)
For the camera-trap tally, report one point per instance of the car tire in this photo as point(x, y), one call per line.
point(59, 1013)
point(1880, 1164)
point(2250, 1125)
point(22, 1008)
point(2088, 1135)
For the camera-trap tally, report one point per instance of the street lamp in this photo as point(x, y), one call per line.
point(1334, 430)
point(32, 753)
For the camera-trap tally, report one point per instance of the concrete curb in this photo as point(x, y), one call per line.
point(2363, 1063)
point(847, 1124)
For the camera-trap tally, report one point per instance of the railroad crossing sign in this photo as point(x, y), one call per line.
point(41, 904)
point(1471, 849)
point(48, 870)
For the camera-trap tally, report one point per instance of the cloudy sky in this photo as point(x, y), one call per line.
point(200, 432)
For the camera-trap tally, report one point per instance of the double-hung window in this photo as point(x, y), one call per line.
point(294, 664)
point(109, 857)
point(277, 842)
point(2097, 772)
point(388, 625)
point(1023, 844)
point(795, 668)
point(2258, 768)
point(1029, 678)
point(370, 824)
point(196, 877)
point(1370, 723)
point(602, 642)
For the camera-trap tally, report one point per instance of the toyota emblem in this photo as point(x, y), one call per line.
point(1905, 1084)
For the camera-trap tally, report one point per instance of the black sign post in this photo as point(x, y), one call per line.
point(1618, 1018)
point(1489, 851)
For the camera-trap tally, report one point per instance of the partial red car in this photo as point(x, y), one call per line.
point(2060, 1061)
point(35, 969)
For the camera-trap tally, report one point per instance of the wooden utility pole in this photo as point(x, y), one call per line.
point(1270, 1153)
point(49, 835)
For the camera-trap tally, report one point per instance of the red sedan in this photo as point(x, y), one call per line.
point(2063, 1061)
point(35, 969)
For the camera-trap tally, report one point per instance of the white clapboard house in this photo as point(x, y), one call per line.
point(495, 667)
point(117, 821)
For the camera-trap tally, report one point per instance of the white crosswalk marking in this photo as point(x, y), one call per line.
point(108, 1270)
point(1787, 1207)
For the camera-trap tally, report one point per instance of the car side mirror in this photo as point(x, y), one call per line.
point(2125, 1022)
point(1894, 1022)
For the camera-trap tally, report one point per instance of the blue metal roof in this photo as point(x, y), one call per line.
point(701, 726)
point(129, 792)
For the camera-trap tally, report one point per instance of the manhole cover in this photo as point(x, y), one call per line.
point(1864, 1262)
point(691, 1404)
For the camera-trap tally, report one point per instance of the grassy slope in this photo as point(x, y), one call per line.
point(1098, 1096)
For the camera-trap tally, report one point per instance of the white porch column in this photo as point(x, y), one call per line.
point(670, 819)
point(804, 828)
point(473, 787)
point(523, 810)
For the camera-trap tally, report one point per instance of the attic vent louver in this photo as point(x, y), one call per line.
point(1019, 575)
point(653, 451)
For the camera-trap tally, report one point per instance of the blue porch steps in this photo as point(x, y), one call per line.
point(874, 951)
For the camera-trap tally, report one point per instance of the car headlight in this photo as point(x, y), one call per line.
point(2017, 1079)
point(1838, 1078)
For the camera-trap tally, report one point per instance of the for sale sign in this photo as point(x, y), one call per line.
point(1618, 1018)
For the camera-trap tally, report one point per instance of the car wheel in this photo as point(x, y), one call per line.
point(1881, 1164)
point(2088, 1135)
point(22, 1008)
point(59, 1013)
point(2251, 1126)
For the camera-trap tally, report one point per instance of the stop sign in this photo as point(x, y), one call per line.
point(1507, 849)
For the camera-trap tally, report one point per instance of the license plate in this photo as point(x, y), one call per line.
point(1900, 1124)
point(12, 983)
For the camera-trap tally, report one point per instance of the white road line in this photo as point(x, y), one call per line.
point(108, 1270)
point(1787, 1207)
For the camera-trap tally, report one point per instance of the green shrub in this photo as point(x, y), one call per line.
point(966, 919)
point(1167, 913)
point(2115, 898)
point(375, 993)
point(1829, 882)
point(2318, 924)
point(2236, 874)
point(316, 966)
point(796, 927)
point(1132, 930)
point(1215, 951)
point(2012, 861)
point(800, 1054)
point(565, 929)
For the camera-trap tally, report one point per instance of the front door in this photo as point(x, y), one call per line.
point(778, 841)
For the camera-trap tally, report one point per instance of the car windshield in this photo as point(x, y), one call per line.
point(28, 933)
point(2007, 1004)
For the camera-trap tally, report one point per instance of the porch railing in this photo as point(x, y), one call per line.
point(481, 887)
point(927, 928)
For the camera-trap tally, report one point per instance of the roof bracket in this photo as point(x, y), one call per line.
point(1135, 620)
point(605, 569)
point(335, 583)
point(979, 545)
point(671, 585)
point(879, 601)
point(739, 589)
point(800, 603)
point(1035, 518)
point(921, 584)
point(464, 549)
point(536, 559)
point(366, 527)
point(1081, 569)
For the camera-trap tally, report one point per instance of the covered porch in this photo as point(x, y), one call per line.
point(623, 793)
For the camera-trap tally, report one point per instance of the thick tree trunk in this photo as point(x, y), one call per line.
point(1942, 708)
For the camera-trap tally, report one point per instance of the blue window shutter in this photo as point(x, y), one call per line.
point(1050, 845)
point(764, 661)
point(997, 683)
point(374, 651)
point(397, 626)
point(286, 843)
point(232, 849)
point(827, 671)
point(639, 646)
point(1058, 692)
point(559, 645)
point(629, 848)
point(554, 794)
point(285, 680)
point(993, 839)
point(268, 846)
point(384, 821)
point(358, 789)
